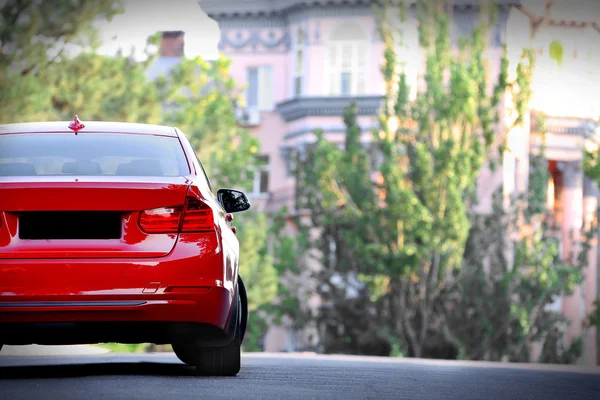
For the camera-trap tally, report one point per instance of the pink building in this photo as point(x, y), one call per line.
point(302, 62)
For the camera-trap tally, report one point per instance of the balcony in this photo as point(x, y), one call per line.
point(303, 107)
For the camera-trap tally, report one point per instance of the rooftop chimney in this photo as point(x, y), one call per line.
point(172, 44)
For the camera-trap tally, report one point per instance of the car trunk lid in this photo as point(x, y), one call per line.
point(84, 217)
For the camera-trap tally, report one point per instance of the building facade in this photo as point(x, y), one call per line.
point(302, 62)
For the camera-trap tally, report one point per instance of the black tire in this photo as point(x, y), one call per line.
point(183, 352)
point(244, 308)
point(214, 361)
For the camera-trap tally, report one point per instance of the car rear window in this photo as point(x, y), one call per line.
point(97, 154)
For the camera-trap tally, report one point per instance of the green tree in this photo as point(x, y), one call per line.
point(594, 317)
point(99, 87)
point(393, 221)
point(499, 308)
point(33, 36)
point(201, 95)
point(259, 274)
point(290, 252)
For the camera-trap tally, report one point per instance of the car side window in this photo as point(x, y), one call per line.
point(186, 143)
point(203, 171)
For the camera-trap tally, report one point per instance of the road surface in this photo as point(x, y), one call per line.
point(285, 376)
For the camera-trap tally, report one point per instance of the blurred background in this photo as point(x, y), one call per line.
point(424, 174)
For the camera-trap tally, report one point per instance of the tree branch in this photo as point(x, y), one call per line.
point(446, 332)
point(405, 318)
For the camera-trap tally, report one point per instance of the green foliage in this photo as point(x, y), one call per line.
point(289, 254)
point(103, 88)
point(500, 308)
point(556, 51)
point(33, 36)
point(594, 317)
point(125, 348)
point(34, 33)
point(591, 165)
point(522, 90)
point(259, 275)
point(537, 186)
point(506, 303)
point(201, 95)
point(392, 219)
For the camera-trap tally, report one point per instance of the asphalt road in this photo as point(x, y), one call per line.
point(150, 376)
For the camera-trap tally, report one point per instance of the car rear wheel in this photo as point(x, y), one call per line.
point(244, 308)
point(214, 361)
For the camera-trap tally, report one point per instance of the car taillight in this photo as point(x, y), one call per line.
point(161, 220)
point(197, 217)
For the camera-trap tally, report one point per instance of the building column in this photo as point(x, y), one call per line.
point(590, 288)
point(572, 200)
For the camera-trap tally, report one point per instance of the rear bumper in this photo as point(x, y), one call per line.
point(212, 307)
point(76, 301)
point(207, 317)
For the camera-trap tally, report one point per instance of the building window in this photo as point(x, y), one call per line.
point(346, 88)
point(299, 65)
point(348, 52)
point(261, 177)
point(259, 93)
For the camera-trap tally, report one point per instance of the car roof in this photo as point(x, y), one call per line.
point(90, 126)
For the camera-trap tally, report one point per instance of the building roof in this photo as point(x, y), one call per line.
point(90, 126)
point(222, 8)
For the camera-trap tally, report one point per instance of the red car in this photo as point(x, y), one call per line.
point(110, 232)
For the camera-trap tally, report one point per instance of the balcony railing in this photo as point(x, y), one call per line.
point(303, 107)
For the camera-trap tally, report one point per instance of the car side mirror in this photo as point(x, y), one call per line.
point(233, 200)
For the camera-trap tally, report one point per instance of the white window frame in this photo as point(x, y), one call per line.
point(256, 192)
point(333, 72)
point(265, 91)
